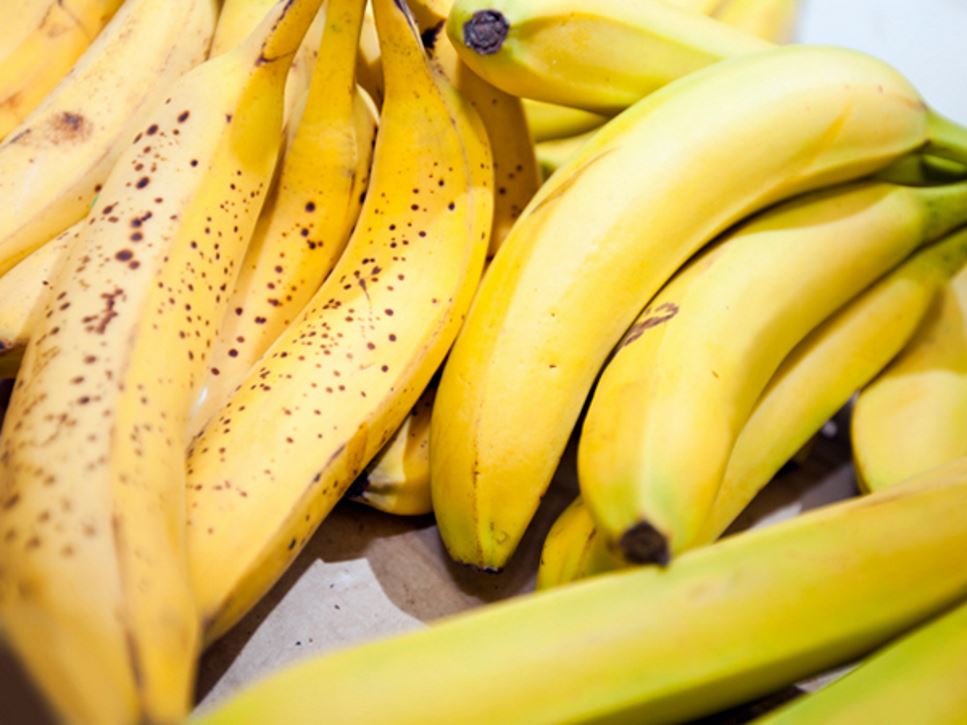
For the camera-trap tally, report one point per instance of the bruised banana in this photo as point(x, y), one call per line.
point(35, 62)
point(918, 678)
point(773, 20)
point(344, 375)
point(669, 405)
point(814, 381)
point(398, 480)
point(601, 56)
point(238, 18)
point(94, 591)
point(24, 288)
point(52, 167)
point(913, 417)
point(308, 217)
point(720, 626)
point(610, 228)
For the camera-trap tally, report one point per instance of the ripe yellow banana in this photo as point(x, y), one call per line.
point(94, 591)
point(773, 20)
point(24, 288)
point(238, 18)
point(30, 69)
point(344, 375)
point(669, 405)
point(917, 679)
point(609, 229)
point(398, 479)
point(52, 167)
point(369, 69)
point(553, 154)
point(720, 626)
point(548, 121)
point(308, 217)
point(516, 175)
point(913, 417)
point(814, 381)
point(602, 56)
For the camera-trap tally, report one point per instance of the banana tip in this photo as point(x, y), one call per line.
point(486, 31)
point(644, 544)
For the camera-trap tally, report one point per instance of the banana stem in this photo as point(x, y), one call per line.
point(947, 139)
point(946, 208)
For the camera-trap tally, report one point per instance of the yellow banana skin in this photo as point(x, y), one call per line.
point(574, 549)
point(773, 20)
point(516, 174)
point(913, 417)
point(398, 480)
point(308, 217)
point(31, 69)
point(343, 377)
point(553, 154)
point(918, 678)
point(814, 381)
point(548, 121)
point(53, 165)
point(94, 593)
point(669, 405)
point(369, 68)
point(720, 626)
point(581, 54)
point(24, 288)
point(238, 18)
point(607, 231)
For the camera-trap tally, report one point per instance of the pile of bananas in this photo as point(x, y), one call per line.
point(261, 255)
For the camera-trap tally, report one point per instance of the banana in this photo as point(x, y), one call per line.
point(238, 18)
point(24, 288)
point(53, 165)
point(369, 70)
point(720, 626)
point(669, 405)
point(398, 479)
point(574, 549)
point(913, 417)
point(30, 69)
point(548, 121)
point(773, 20)
point(601, 56)
point(307, 219)
point(922, 170)
point(553, 154)
point(94, 592)
point(344, 375)
point(814, 381)
point(918, 678)
point(516, 175)
point(609, 229)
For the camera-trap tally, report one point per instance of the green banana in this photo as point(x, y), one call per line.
point(600, 56)
point(610, 228)
point(919, 678)
point(720, 626)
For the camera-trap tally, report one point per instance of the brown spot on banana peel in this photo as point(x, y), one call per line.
point(644, 544)
point(486, 31)
point(569, 182)
point(429, 37)
point(662, 313)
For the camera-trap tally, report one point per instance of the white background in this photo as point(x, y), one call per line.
point(924, 39)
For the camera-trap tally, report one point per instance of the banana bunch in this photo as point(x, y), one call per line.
point(260, 256)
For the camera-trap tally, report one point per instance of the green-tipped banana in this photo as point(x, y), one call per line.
point(913, 417)
point(720, 626)
point(917, 679)
point(600, 55)
point(609, 229)
point(669, 406)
